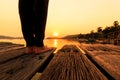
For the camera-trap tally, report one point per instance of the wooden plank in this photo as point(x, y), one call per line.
point(6, 46)
point(8, 51)
point(70, 64)
point(107, 56)
point(22, 67)
point(5, 56)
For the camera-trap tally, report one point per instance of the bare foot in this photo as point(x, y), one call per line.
point(39, 50)
point(29, 50)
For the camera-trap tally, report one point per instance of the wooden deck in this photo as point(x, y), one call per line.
point(107, 56)
point(15, 65)
point(70, 64)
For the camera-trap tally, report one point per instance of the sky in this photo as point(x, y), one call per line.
point(65, 17)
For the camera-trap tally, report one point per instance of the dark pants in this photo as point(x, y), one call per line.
point(33, 16)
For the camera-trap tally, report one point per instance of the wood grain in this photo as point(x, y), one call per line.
point(107, 56)
point(70, 64)
point(15, 65)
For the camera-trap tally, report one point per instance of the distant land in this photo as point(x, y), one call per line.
point(74, 36)
point(53, 38)
point(9, 37)
point(65, 37)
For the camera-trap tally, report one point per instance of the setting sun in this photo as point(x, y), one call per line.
point(73, 17)
point(55, 34)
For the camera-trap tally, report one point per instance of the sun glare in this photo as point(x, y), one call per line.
point(55, 34)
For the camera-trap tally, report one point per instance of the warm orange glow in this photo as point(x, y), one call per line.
point(55, 34)
point(55, 43)
point(64, 16)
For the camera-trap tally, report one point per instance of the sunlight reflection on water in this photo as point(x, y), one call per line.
point(58, 43)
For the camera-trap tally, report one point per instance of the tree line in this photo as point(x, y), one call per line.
point(109, 32)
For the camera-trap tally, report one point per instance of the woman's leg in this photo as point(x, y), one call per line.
point(40, 12)
point(26, 17)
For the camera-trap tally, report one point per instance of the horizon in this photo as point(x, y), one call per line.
point(65, 17)
point(45, 37)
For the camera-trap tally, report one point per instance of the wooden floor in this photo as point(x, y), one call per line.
point(107, 56)
point(15, 65)
point(70, 64)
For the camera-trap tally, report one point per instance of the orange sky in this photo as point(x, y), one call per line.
point(64, 17)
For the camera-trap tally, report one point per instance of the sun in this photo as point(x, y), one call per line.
point(55, 34)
